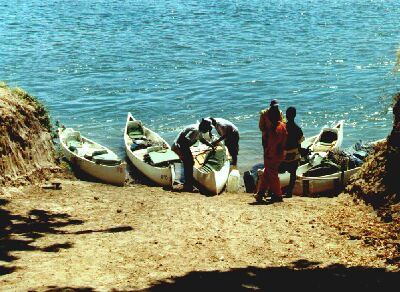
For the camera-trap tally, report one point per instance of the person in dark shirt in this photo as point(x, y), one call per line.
point(185, 139)
point(293, 144)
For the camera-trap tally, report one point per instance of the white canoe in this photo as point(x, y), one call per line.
point(91, 157)
point(306, 185)
point(162, 174)
point(211, 179)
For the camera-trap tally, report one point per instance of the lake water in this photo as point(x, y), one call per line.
point(173, 62)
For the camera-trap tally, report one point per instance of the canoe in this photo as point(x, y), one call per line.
point(91, 158)
point(306, 184)
point(211, 169)
point(329, 138)
point(149, 153)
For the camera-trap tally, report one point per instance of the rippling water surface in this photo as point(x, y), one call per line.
point(172, 62)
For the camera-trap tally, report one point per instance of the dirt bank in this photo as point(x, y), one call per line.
point(26, 148)
point(377, 182)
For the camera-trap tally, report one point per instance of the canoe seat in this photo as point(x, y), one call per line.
point(136, 135)
point(89, 153)
point(107, 158)
point(162, 156)
point(135, 130)
point(323, 147)
point(155, 148)
point(73, 145)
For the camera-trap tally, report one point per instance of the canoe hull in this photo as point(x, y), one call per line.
point(115, 175)
point(328, 183)
point(162, 176)
point(212, 182)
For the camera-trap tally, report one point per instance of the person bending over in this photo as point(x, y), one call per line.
point(181, 146)
point(228, 133)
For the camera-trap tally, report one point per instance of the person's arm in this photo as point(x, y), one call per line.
point(218, 140)
point(281, 146)
point(261, 122)
point(204, 141)
point(304, 152)
point(301, 136)
point(221, 138)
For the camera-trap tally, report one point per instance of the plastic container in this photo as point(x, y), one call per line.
point(179, 173)
point(233, 183)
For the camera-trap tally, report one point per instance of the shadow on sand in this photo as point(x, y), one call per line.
point(301, 276)
point(18, 233)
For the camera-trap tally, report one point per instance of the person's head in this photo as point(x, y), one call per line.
point(274, 115)
point(274, 103)
point(290, 113)
point(205, 125)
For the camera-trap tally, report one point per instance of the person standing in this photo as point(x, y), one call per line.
point(228, 133)
point(274, 154)
point(181, 146)
point(293, 144)
point(264, 121)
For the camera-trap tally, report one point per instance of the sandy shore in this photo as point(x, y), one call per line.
point(98, 237)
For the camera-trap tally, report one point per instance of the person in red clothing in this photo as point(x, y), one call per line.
point(274, 153)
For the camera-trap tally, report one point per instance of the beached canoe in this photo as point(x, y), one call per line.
point(149, 153)
point(92, 158)
point(211, 168)
point(309, 183)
